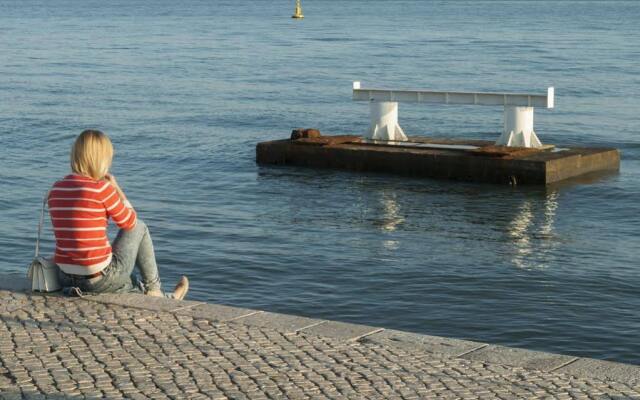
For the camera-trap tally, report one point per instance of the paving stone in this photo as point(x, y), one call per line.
point(141, 301)
point(215, 312)
point(519, 357)
point(417, 342)
point(279, 322)
point(586, 367)
point(109, 349)
point(340, 330)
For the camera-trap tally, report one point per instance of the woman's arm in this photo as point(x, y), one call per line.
point(112, 179)
point(117, 205)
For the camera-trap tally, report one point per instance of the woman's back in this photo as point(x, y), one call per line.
point(80, 208)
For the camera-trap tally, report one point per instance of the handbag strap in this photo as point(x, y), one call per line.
point(41, 223)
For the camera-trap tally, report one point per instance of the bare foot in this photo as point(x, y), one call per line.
point(181, 288)
point(155, 293)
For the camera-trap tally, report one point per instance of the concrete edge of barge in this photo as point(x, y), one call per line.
point(519, 167)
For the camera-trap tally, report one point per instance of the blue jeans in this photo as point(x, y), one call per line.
point(130, 248)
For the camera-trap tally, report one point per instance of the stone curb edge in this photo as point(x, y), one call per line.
point(442, 346)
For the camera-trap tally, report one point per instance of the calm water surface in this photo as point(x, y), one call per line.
point(186, 90)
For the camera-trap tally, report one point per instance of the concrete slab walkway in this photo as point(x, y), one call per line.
point(132, 346)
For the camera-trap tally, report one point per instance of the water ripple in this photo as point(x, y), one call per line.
point(187, 89)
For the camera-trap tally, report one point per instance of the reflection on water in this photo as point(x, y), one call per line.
point(519, 231)
point(391, 218)
point(444, 258)
point(524, 229)
point(550, 207)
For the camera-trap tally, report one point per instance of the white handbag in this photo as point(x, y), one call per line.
point(43, 272)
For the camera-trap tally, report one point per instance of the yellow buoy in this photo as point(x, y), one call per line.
point(298, 12)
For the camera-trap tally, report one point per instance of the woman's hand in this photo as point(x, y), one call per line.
point(112, 179)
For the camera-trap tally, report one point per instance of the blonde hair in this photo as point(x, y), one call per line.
point(91, 154)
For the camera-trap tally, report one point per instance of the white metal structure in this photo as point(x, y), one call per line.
point(518, 111)
point(384, 121)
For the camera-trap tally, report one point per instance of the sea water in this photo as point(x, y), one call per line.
point(187, 88)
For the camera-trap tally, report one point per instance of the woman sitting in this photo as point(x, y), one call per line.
point(80, 206)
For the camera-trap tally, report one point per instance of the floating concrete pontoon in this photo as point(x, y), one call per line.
point(517, 157)
point(474, 161)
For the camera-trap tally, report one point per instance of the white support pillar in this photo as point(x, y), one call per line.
point(384, 122)
point(518, 128)
point(518, 110)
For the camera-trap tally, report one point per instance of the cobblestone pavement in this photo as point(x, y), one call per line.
point(58, 347)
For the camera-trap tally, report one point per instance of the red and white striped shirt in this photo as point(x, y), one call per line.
point(80, 208)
